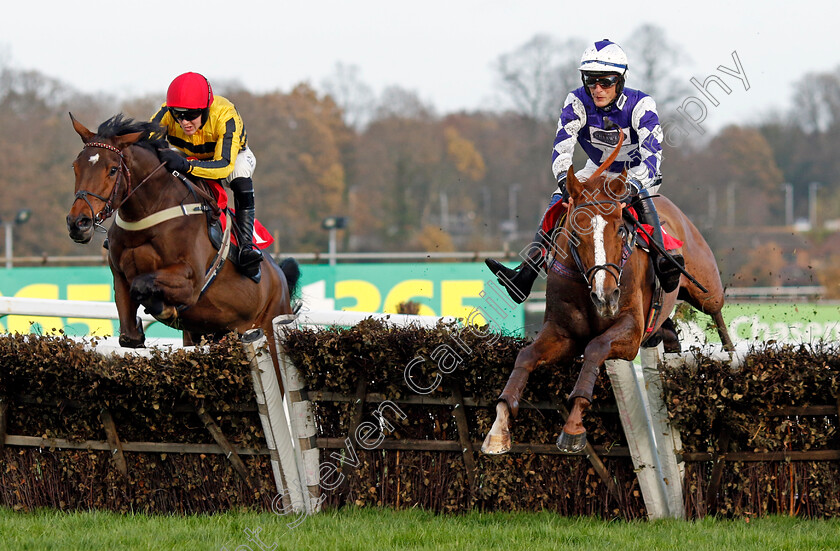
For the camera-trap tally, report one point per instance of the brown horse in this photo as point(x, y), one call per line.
point(598, 299)
point(159, 252)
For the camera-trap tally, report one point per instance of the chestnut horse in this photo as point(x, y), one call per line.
point(599, 295)
point(158, 249)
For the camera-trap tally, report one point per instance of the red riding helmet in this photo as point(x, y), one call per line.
point(189, 91)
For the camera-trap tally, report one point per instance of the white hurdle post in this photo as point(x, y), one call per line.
point(302, 416)
point(275, 423)
point(650, 438)
point(302, 419)
point(666, 436)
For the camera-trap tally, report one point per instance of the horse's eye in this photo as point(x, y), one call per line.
point(622, 232)
point(113, 171)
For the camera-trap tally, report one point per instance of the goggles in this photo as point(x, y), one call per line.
point(604, 82)
point(181, 114)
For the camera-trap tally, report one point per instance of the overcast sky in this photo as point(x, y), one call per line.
point(442, 49)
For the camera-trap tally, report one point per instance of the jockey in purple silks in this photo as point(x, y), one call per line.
point(592, 116)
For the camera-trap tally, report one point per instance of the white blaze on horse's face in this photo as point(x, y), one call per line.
point(598, 227)
point(93, 159)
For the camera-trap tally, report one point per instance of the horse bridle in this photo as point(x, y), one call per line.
point(108, 209)
point(611, 268)
point(124, 175)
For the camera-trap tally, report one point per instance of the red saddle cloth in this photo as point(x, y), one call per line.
point(670, 242)
point(262, 238)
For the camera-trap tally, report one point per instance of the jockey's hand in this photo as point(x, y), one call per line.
point(561, 183)
point(174, 161)
point(634, 186)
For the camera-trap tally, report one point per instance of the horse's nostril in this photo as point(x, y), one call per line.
point(79, 225)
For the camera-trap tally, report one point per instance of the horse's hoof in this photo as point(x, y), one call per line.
point(496, 444)
point(128, 342)
point(139, 341)
point(571, 443)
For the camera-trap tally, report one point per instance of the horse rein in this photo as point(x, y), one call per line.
point(611, 268)
point(109, 209)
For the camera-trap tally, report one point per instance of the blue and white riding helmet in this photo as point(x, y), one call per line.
point(602, 58)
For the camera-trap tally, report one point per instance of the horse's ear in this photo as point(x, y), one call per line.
point(573, 185)
point(80, 129)
point(128, 139)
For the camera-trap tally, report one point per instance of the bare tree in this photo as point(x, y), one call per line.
point(536, 77)
point(402, 103)
point(355, 98)
point(656, 66)
point(817, 96)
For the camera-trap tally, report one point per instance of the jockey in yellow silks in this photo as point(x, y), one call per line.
point(210, 132)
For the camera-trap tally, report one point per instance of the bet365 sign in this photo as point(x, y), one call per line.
point(461, 290)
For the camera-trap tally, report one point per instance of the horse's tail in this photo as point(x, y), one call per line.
point(291, 270)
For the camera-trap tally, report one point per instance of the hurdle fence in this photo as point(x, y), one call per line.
point(294, 447)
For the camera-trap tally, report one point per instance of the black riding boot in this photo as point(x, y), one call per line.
point(667, 272)
point(243, 196)
point(520, 280)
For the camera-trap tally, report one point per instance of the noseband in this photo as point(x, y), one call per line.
point(613, 269)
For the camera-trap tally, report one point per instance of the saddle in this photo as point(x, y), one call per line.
point(670, 242)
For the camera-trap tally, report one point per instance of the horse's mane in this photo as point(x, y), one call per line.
point(153, 138)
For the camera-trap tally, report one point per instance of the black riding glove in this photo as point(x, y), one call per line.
point(175, 161)
point(561, 183)
point(634, 186)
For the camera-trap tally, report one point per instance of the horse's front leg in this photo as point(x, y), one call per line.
point(131, 328)
point(162, 291)
point(549, 346)
point(621, 341)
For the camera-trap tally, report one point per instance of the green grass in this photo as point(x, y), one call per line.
point(353, 529)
